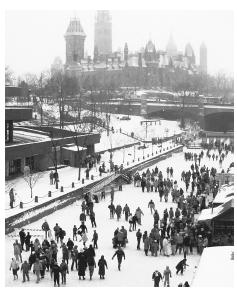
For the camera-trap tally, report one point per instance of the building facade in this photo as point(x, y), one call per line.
point(75, 38)
point(103, 33)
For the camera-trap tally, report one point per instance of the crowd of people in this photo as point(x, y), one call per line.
point(173, 231)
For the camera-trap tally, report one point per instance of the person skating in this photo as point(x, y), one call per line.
point(146, 245)
point(74, 233)
point(25, 268)
point(64, 271)
point(56, 274)
point(95, 239)
point(156, 277)
point(139, 214)
point(139, 236)
point(92, 218)
point(56, 232)
point(167, 275)
point(126, 211)
point(91, 265)
point(130, 221)
point(22, 235)
point(82, 217)
point(120, 255)
point(111, 210)
point(82, 229)
point(45, 228)
point(151, 205)
point(17, 251)
point(102, 264)
point(27, 241)
point(74, 256)
point(118, 212)
point(82, 264)
point(37, 267)
point(14, 266)
point(180, 266)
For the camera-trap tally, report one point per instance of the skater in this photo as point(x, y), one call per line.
point(156, 277)
point(95, 239)
point(82, 217)
point(64, 271)
point(102, 264)
point(82, 229)
point(139, 236)
point(56, 271)
point(130, 221)
point(92, 218)
point(139, 214)
point(167, 275)
point(118, 212)
point(91, 265)
point(151, 205)
point(45, 228)
point(14, 267)
point(82, 264)
point(36, 269)
point(25, 268)
point(74, 255)
point(126, 211)
point(22, 235)
point(74, 231)
point(17, 251)
point(120, 255)
point(180, 266)
point(111, 210)
point(56, 232)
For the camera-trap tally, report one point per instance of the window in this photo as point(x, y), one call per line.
point(30, 162)
point(14, 167)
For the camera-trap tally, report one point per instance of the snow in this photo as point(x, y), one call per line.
point(213, 272)
point(137, 269)
point(225, 193)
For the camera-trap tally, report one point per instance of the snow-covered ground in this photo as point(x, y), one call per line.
point(68, 175)
point(137, 269)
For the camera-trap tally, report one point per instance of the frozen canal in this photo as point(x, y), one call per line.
point(137, 269)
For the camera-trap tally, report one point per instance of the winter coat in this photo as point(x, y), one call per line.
point(17, 249)
point(82, 264)
point(25, 267)
point(146, 243)
point(37, 267)
point(120, 236)
point(82, 217)
point(14, 264)
point(45, 226)
point(139, 213)
point(101, 264)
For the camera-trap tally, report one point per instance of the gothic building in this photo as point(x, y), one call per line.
point(103, 33)
point(75, 38)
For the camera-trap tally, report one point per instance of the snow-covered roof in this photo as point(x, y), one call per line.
point(216, 268)
point(225, 194)
point(209, 214)
point(74, 148)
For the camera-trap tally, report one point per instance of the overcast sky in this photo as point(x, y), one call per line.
point(35, 38)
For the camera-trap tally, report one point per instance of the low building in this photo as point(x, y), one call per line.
point(39, 148)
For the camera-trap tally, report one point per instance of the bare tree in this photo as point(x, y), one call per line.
point(31, 179)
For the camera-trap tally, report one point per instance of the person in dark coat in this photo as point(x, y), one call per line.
point(102, 264)
point(156, 277)
point(64, 271)
point(120, 255)
point(95, 239)
point(90, 252)
point(22, 235)
point(74, 256)
point(82, 217)
point(45, 228)
point(82, 264)
point(111, 210)
point(25, 267)
point(56, 271)
point(92, 218)
point(180, 266)
point(74, 233)
point(70, 245)
point(139, 236)
point(82, 229)
point(27, 241)
point(91, 265)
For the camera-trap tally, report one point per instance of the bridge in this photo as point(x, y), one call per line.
point(213, 117)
